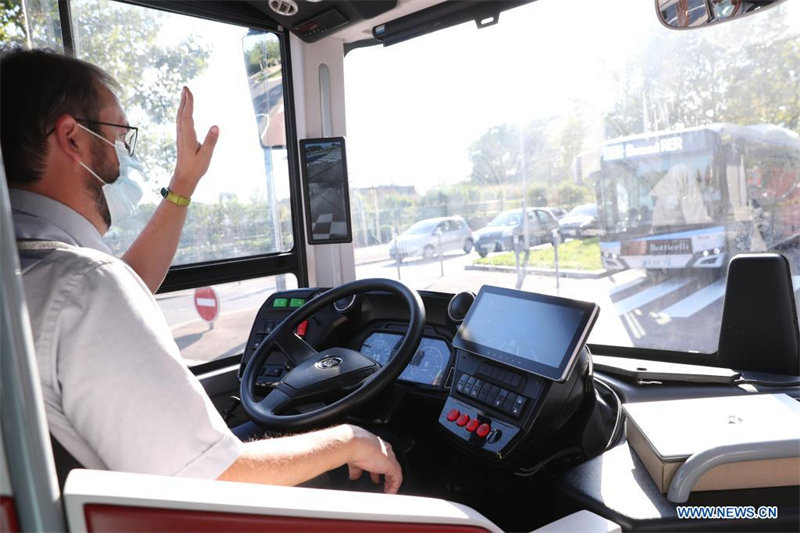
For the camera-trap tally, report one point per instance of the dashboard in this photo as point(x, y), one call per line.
point(371, 323)
point(503, 401)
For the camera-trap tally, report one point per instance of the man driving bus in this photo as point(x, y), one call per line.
point(116, 392)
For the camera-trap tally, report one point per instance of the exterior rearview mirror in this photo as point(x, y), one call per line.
point(694, 13)
point(265, 79)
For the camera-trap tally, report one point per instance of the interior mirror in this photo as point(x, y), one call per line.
point(262, 59)
point(694, 13)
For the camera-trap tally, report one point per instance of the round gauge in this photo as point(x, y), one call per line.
point(344, 304)
point(427, 365)
point(377, 349)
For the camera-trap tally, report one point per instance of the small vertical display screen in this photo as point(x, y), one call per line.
point(326, 191)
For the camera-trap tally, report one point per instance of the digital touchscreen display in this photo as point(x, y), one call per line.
point(534, 332)
point(326, 190)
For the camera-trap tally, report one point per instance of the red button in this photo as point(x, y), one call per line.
point(483, 430)
point(473, 424)
point(452, 414)
point(462, 420)
point(302, 328)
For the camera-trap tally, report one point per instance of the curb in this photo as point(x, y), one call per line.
point(577, 274)
point(373, 261)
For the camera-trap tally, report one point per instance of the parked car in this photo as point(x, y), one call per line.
point(423, 238)
point(557, 212)
point(580, 222)
point(501, 233)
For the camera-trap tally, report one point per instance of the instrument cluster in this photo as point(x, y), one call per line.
point(428, 366)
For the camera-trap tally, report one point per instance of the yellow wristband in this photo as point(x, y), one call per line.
point(175, 198)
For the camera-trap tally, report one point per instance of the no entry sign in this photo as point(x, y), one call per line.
point(206, 303)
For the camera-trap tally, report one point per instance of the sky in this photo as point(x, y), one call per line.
point(440, 93)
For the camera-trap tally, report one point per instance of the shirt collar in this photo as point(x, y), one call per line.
point(42, 218)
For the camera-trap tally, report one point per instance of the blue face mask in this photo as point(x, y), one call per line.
point(123, 195)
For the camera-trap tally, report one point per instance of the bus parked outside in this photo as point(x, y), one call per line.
point(692, 198)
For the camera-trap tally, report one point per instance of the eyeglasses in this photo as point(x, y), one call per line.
point(130, 137)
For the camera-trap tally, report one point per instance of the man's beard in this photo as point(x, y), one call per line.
point(108, 172)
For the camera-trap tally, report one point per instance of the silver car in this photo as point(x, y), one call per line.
point(432, 236)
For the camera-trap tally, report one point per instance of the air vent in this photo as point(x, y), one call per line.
point(287, 8)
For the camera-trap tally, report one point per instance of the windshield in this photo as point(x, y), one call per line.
point(505, 219)
point(677, 144)
point(420, 228)
point(661, 191)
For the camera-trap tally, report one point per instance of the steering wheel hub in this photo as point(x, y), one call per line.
point(328, 362)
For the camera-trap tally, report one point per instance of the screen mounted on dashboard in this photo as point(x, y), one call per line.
point(534, 332)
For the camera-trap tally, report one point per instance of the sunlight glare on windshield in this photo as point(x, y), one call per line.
point(676, 153)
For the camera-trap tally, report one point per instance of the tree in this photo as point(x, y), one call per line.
point(501, 153)
point(729, 73)
point(123, 40)
point(12, 26)
point(495, 156)
point(261, 56)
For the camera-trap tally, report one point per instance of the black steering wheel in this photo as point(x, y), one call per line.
point(315, 375)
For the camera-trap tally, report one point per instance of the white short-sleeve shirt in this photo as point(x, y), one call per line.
point(117, 394)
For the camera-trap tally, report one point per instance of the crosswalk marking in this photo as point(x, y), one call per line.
point(697, 301)
point(639, 299)
point(627, 285)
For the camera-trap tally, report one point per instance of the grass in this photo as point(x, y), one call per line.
point(573, 255)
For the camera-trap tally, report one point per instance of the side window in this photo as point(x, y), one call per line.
point(210, 323)
point(457, 225)
point(30, 24)
point(241, 207)
point(544, 218)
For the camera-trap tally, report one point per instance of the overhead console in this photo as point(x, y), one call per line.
point(515, 373)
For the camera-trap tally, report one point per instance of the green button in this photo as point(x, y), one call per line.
point(296, 302)
point(280, 302)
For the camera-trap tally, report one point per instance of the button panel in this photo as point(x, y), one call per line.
point(499, 397)
point(270, 315)
point(477, 427)
point(506, 378)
